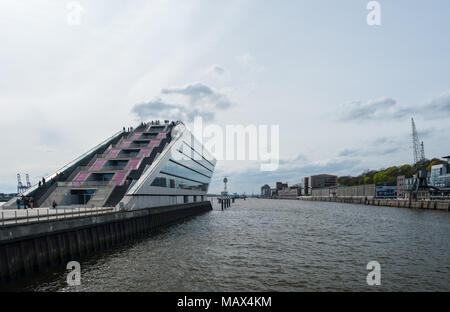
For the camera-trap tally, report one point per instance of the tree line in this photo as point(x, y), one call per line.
point(386, 176)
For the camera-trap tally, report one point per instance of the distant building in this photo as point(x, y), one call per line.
point(273, 193)
point(440, 174)
point(404, 186)
point(361, 191)
point(289, 193)
point(265, 191)
point(323, 181)
point(305, 184)
point(281, 186)
point(383, 191)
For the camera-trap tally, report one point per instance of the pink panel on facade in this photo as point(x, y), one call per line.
point(136, 136)
point(81, 177)
point(162, 135)
point(132, 164)
point(154, 143)
point(144, 153)
point(118, 178)
point(125, 144)
point(113, 153)
point(98, 164)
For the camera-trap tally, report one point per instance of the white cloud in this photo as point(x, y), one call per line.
point(184, 103)
point(388, 109)
point(216, 71)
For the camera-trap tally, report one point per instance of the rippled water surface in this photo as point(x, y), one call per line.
point(270, 245)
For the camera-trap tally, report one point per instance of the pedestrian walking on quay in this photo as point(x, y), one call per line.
point(54, 204)
point(40, 183)
point(18, 202)
point(31, 202)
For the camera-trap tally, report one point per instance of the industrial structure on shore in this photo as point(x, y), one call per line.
point(423, 185)
point(324, 185)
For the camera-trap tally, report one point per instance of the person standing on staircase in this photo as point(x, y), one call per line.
point(25, 202)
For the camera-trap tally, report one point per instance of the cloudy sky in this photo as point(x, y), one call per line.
point(341, 91)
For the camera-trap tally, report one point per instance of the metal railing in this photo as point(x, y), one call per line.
point(25, 216)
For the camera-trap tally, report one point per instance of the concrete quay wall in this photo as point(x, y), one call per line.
point(429, 204)
point(30, 248)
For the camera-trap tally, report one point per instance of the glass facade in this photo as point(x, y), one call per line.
point(190, 153)
point(166, 180)
point(190, 167)
point(436, 172)
point(175, 169)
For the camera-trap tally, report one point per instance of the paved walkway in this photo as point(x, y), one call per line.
point(19, 216)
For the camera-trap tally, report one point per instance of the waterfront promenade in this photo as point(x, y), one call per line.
point(416, 204)
point(23, 216)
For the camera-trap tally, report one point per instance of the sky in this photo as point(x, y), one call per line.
point(73, 73)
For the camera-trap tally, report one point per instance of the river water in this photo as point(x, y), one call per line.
point(272, 245)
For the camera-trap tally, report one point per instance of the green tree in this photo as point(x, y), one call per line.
point(379, 178)
point(368, 180)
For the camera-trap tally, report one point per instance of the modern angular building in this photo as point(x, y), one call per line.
point(156, 164)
